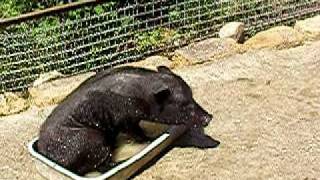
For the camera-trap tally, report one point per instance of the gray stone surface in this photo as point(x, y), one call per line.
point(47, 77)
point(53, 92)
point(204, 51)
point(309, 27)
point(275, 38)
point(152, 62)
point(11, 103)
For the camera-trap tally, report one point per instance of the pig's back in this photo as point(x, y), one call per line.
point(124, 81)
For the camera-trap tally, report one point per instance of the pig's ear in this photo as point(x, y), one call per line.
point(164, 69)
point(161, 92)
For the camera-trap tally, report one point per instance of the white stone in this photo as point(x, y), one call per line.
point(234, 30)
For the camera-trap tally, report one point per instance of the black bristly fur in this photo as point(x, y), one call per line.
point(81, 131)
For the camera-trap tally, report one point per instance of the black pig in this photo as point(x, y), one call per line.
point(80, 133)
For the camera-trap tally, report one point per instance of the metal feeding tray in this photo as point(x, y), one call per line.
point(125, 169)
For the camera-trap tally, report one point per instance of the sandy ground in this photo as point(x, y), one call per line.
point(267, 117)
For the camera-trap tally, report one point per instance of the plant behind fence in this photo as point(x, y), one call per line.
point(95, 38)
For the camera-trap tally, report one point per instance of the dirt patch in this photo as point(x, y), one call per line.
point(16, 132)
point(266, 106)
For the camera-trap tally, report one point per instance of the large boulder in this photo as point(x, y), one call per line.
point(2, 98)
point(309, 27)
point(275, 38)
point(204, 51)
point(11, 103)
point(52, 92)
point(151, 62)
point(233, 30)
point(47, 77)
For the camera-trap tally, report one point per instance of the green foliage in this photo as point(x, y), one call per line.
point(148, 40)
point(10, 8)
point(42, 32)
point(75, 14)
point(156, 38)
point(90, 37)
point(99, 10)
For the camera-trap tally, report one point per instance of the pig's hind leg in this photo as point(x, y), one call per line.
point(89, 150)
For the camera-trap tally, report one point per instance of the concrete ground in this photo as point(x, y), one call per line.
point(267, 117)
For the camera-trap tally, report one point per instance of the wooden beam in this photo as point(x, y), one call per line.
point(47, 11)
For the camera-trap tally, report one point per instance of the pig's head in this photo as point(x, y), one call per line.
point(174, 101)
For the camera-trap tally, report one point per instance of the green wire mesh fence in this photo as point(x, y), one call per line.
point(97, 37)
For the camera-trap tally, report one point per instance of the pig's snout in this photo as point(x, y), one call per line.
point(206, 120)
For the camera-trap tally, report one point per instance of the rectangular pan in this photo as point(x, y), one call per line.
point(128, 167)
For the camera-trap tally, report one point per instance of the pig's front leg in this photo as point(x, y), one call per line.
point(137, 133)
point(195, 137)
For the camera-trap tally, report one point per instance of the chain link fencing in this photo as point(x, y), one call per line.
point(98, 37)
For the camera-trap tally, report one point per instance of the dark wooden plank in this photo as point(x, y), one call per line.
point(47, 12)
